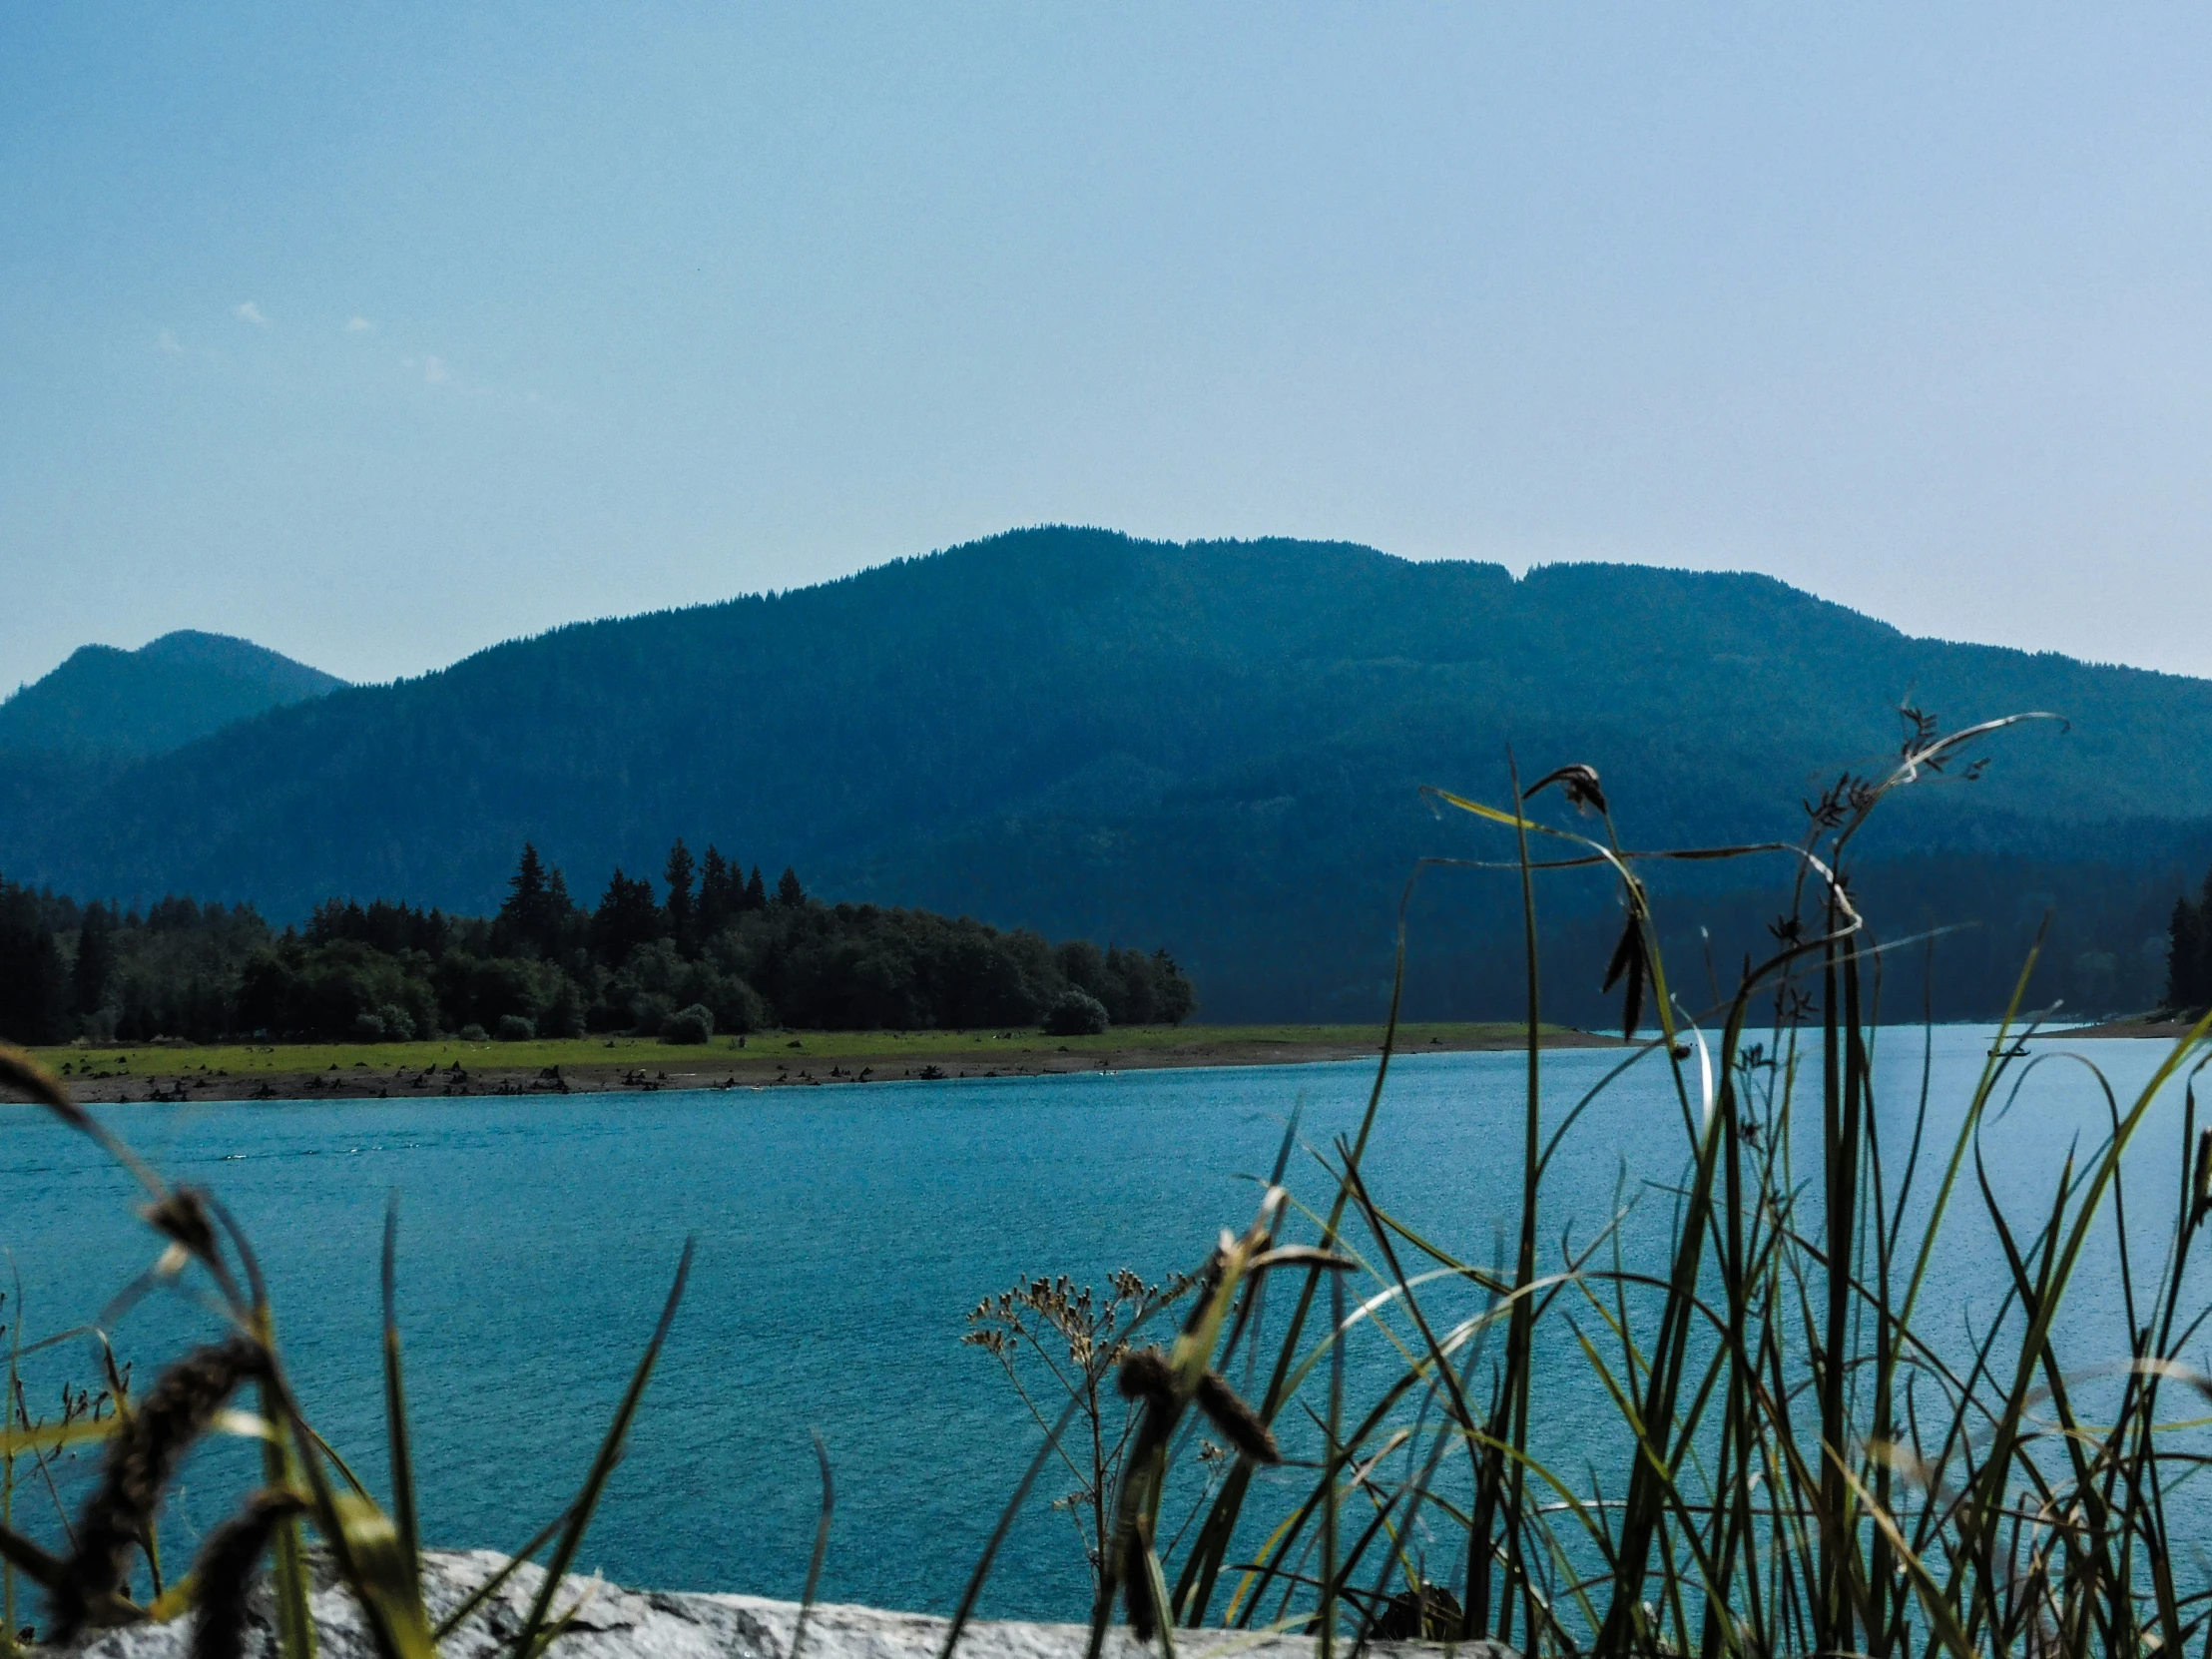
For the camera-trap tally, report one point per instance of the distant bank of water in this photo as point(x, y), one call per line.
point(843, 1237)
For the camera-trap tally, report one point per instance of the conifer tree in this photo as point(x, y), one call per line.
point(789, 894)
point(626, 918)
point(526, 887)
point(755, 893)
point(527, 914)
point(34, 981)
point(720, 894)
point(682, 918)
point(2204, 944)
point(2189, 954)
point(558, 907)
point(95, 958)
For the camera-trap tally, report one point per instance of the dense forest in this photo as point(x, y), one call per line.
point(1218, 743)
point(712, 951)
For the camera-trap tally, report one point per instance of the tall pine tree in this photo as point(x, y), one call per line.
point(536, 905)
point(88, 980)
point(682, 910)
point(34, 979)
point(720, 894)
point(626, 918)
point(2189, 954)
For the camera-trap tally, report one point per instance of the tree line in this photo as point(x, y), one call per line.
point(713, 949)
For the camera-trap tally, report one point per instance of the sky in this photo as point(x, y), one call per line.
point(378, 335)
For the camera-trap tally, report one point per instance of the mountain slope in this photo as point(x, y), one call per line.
point(109, 703)
point(1215, 744)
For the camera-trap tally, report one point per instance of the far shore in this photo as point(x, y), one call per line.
point(450, 1067)
point(2165, 1030)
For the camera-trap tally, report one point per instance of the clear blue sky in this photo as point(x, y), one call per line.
point(378, 334)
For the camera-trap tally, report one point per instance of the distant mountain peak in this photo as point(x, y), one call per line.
point(192, 645)
point(108, 702)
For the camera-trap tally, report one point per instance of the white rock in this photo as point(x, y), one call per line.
point(615, 1623)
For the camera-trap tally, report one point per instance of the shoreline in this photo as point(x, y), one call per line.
point(145, 1074)
point(2166, 1030)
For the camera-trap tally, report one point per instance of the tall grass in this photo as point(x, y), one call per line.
point(112, 1543)
point(1804, 1458)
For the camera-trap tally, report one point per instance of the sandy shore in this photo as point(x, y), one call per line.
point(155, 1076)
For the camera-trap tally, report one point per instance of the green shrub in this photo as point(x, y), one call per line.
point(649, 1011)
point(1075, 1013)
point(691, 1025)
point(513, 1028)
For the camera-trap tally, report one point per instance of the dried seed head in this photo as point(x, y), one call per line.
point(1146, 1374)
point(1579, 783)
point(1828, 812)
point(182, 1216)
point(224, 1572)
point(1921, 728)
point(1239, 1424)
point(142, 1459)
point(1628, 958)
point(2202, 1185)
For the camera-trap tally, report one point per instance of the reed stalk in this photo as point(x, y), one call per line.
point(1806, 1458)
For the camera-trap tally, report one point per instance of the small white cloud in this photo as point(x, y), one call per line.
point(250, 313)
point(359, 325)
point(435, 371)
point(165, 342)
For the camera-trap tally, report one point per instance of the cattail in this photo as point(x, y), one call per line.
point(1628, 958)
point(2202, 1183)
point(182, 1216)
point(1146, 1376)
point(1239, 1424)
point(142, 1459)
point(226, 1573)
point(1136, 1592)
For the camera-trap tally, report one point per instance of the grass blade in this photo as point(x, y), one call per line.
point(602, 1466)
point(491, 1587)
point(396, 1407)
point(821, 1544)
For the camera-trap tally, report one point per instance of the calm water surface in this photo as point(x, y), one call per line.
point(842, 1237)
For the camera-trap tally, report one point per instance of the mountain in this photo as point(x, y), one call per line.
point(1217, 744)
point(113, 704)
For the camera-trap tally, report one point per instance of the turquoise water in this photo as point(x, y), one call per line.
point(842, 1237)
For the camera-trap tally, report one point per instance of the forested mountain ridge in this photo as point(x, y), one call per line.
point(106, 703)
point(1214, 744)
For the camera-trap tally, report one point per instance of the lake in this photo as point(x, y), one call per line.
point(842, 1237)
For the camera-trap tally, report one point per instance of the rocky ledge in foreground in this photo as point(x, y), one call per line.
point(651, 1624)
